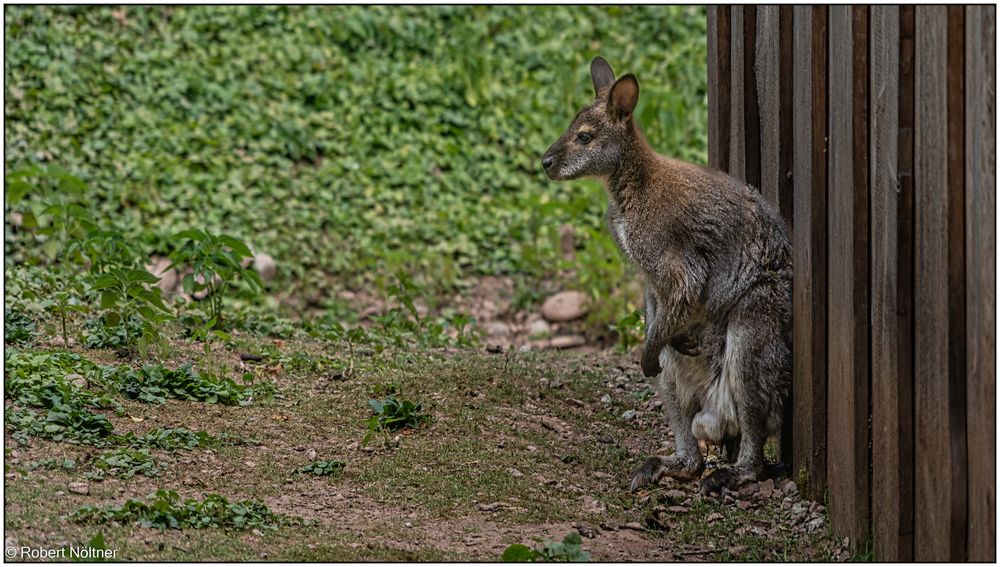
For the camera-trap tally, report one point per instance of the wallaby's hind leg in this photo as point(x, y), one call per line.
point(686, 463)
point(754, 365)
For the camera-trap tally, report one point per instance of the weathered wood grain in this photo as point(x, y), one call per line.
point(980, 269)
point(809, 254)
point(934, 480)
point(737, 95)
point(847, 460)
point(767, 62)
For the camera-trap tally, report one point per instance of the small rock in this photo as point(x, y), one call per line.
point(677, 509)
point(312, 454)
point(567, 341)
point(160, 267)
point(490, 507)
point(743, 505)
point(789, 488)
point(592, 505)
point(586, 531)
point(408, 524)
point(515, 473)
point(59, 493)
point(565, 306)
point(675, 495)
point(550, 423)
point(814, 524)
point(531, 448)
point(629, 415)
point(714, 517)
point(497, 329)
point(766, 485)
point(79, 488)
point(575, 402)
point(605, 399)
point(77, 380)
point(538, 328)
point(257, 532)
point(634, 526)
point(264, 265)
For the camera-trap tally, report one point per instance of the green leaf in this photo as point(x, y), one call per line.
point(519, 553)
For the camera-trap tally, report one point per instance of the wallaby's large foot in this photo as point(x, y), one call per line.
point(673, 466)
point(728, 477)
point(686, 345)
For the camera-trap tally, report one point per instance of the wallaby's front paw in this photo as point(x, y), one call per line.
point(650, 363)
point(686, 345)
point(655, 468)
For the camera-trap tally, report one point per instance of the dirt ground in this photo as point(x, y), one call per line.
point(521, 446)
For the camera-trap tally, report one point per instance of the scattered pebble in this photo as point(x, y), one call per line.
point(79, 488)
point(605, 399)
point(565, 306)
point(629, 415)
point(634, 526)
point(490, 507)
point(515, 473)
point(714, 517)
point(677, 509)
point(575, 402)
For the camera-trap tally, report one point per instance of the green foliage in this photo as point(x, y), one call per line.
point(40, 380)
point(167, 511)
point(392, 414)
point(215, 262)
point(18, 327)
point(343, 140)
point(629, 330)
point(124, 463)
point(128, 293)
point(568, 550)
point(322, 468)
point(153, 383)
point(53, 464)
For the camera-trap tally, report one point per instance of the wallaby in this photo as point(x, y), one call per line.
point(718, 303)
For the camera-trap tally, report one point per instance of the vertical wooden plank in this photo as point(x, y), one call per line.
point(905, 428)
point(785, 195)
point(848, 285)
point(712, 26)
point(980, 269)
point(751, 107)
point(809, 250)
point(767, 61)
point(786, 152)
point(737, 131)
point(891, 505)
point(956, 280)
point(933, 454)
point(718, 87)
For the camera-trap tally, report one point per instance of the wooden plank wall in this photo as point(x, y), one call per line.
point(872, 130)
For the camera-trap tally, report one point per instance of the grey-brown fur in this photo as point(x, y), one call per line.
point(718, 265)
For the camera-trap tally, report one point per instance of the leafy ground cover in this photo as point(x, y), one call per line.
point(348, 142)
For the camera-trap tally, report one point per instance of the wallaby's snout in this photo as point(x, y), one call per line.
point(592, 145)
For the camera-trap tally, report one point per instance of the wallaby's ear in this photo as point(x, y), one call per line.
point(602, 74)
point(622, 98)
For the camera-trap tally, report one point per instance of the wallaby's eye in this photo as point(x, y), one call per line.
point(584, 137)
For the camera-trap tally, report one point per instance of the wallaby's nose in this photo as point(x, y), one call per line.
point(547, 161)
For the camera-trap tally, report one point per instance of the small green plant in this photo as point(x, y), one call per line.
point(322, 468)
point(568, 550)
point(69, 424)
point(216, 266)
point(392, 414)
point(629, 330)
point(127, 293)
point(166, 510)
point(124, 463)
